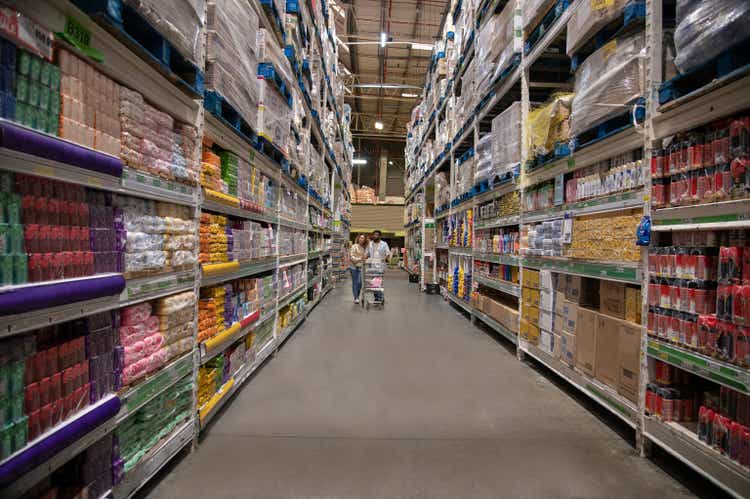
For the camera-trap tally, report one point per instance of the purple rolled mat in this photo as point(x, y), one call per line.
point(54, 294)
point(47, 447)
point(45, 146)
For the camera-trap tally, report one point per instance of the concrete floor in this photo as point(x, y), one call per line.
point(409, 402)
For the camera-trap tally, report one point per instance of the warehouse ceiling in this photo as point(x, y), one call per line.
point(385, 83)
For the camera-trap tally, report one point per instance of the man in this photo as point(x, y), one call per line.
point(378, 250)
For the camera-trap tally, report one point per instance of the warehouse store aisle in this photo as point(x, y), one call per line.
point(412, 401)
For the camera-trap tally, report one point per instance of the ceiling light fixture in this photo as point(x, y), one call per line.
point(359, 161)
point(383, 39)
point(422, 46)
point(378, 125)
point(409, 95)
point(390, 162)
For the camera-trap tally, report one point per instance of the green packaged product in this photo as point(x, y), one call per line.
point(22, 111)
point(43, 98)
point(15, 377)
point(36, 68)
point(22, 89)
point(6, 270)
point(3, 209)
point(54, 102)
point(16, 238)
point(44, 74)
point(6, 181)
point(15, 407)
point(23, 63)
point(54, 78)
point(41, 120)
point(6, 441)
point(4, 381)
point(33, 94)
point(20, 433)
point(32, 117)
point(4, 239)
point(13, 208)
point(20, 268)
point(5, 414)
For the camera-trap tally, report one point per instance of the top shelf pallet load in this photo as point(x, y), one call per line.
point(627, 109)
point(122, 200)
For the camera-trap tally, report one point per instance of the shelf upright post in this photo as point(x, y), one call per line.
point(525, 109)
point(277, 274)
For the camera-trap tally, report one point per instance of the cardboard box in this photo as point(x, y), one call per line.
point(547, 320)
point(582, 290)
point(633, 304)
point(557, 346)
point(547, 300)
point(531, 278)
point(530, 314)
point(570, 317)
point(546, 280)
point(505, 315)
point(568, 348)
point(561, 283)
point(530, 296)
point(477, 301)
point(557, 323)
point(607, 348)
point(629, 361)
point(559, 302)
point(529, 332)
point(586, 341)
point(547, 341)
point(612, 299)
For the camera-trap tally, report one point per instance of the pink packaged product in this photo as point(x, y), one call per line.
point(135, 314)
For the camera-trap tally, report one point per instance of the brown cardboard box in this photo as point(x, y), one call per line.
point(559, 301)
point(557, 347)
point(546, 320)
point(530, 296)
point(570, 317)
point(633, 304)
point(568, 348)
point(572, 288)
point(561, 284)
point(530, 314)
point(547, 342)
point(547, 280)
point(607, 348)
point(547, 300)
point(557, 325)
point(530, 278)
point(612, 299)
point(529, 332)
point(629, 361)
point(505, 315)
point(586, 341)
point(478, 301)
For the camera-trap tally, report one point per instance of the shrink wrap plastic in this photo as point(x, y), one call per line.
point(269, 51)
point(442, 190)
point(607, 81)
point(705, 29)
point(588, 17)
point(496, 45)
point(506, 145)
point(274, 116)
point(548, 124)
point(232, 64)
point(180, 21)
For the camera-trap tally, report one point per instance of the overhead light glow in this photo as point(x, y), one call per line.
point(409, 95)
point(359, 161)
point(378, 125)
point(421, 46)
point(390, 162)
point(383, 39)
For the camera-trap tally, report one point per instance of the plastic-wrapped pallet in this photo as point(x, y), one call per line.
point(506, 147)
point(549, 124)
point(496, 46)
point(180, 21)
point(607, 82)
point(442, 190)
point(532, 12)
point(587, 18)
point(464, 176)
point(705, 29)
point(232, 64)
point(484, 167)
point(274, 116)
point(270, 52)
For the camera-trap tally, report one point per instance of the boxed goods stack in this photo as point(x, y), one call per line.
point(35, 83)
point(497, 48)
point(608, 82)
point(292, 241)
point(274, 116)
point(530, 296)
point(464, 174)
point(215, 244)
point(231, 56)
point(606, 237)
point(365, 195)
point(506, 143)
point(588, 18)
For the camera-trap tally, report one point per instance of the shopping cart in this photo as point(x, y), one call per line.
point(373, 275)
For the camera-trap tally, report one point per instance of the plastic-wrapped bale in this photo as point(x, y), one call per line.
point(607, 82)
point(270, 52)
point(549, 124)
point(705, 29)
point(231, 56)
point(506, 146)
point(496, 46)
point(465, 176)
point(589, 17)
point(532, 13)
point(484, 164)
point(180, 21)
point(442, 190)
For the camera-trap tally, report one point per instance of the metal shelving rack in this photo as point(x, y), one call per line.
point(717, 99)
point(128, 68)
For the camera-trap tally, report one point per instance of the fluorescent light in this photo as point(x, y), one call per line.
point(359, 161)
point(383, 39)
point(390, 162)
point(378, 125)
point(422, 46)
point(409, 95)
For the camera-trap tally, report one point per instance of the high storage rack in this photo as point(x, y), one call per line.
point(81, 213)
point(644, 93)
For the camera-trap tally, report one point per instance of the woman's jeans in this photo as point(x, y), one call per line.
point(356, 281)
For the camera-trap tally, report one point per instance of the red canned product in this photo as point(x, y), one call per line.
point(707, 333)
point(685, 299)
point(724, 346)
point(651, 398)
point(657, 163)
point(651, 322)
point(653, 261)
point(662, 325)
point(690, 331)
point(664, 265)
point(724, 298)
point(693, 179)
point(721, 146)
point(742, 346)
point(660, 192)
point(741, 304)
point(675, 326)
point(668, 397)
point(723, 180)
point(653, 293)
point(706, 186)
point(664, 293)
point(695, 150)
point(674, 294)
point(730, 264)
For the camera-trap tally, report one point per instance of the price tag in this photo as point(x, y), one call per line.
point(78, 36)
point(601, 4)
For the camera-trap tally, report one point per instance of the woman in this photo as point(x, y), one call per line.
point(357, 257)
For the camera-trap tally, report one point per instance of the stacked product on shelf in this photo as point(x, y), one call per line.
point(548, 129)
point(292, 242)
